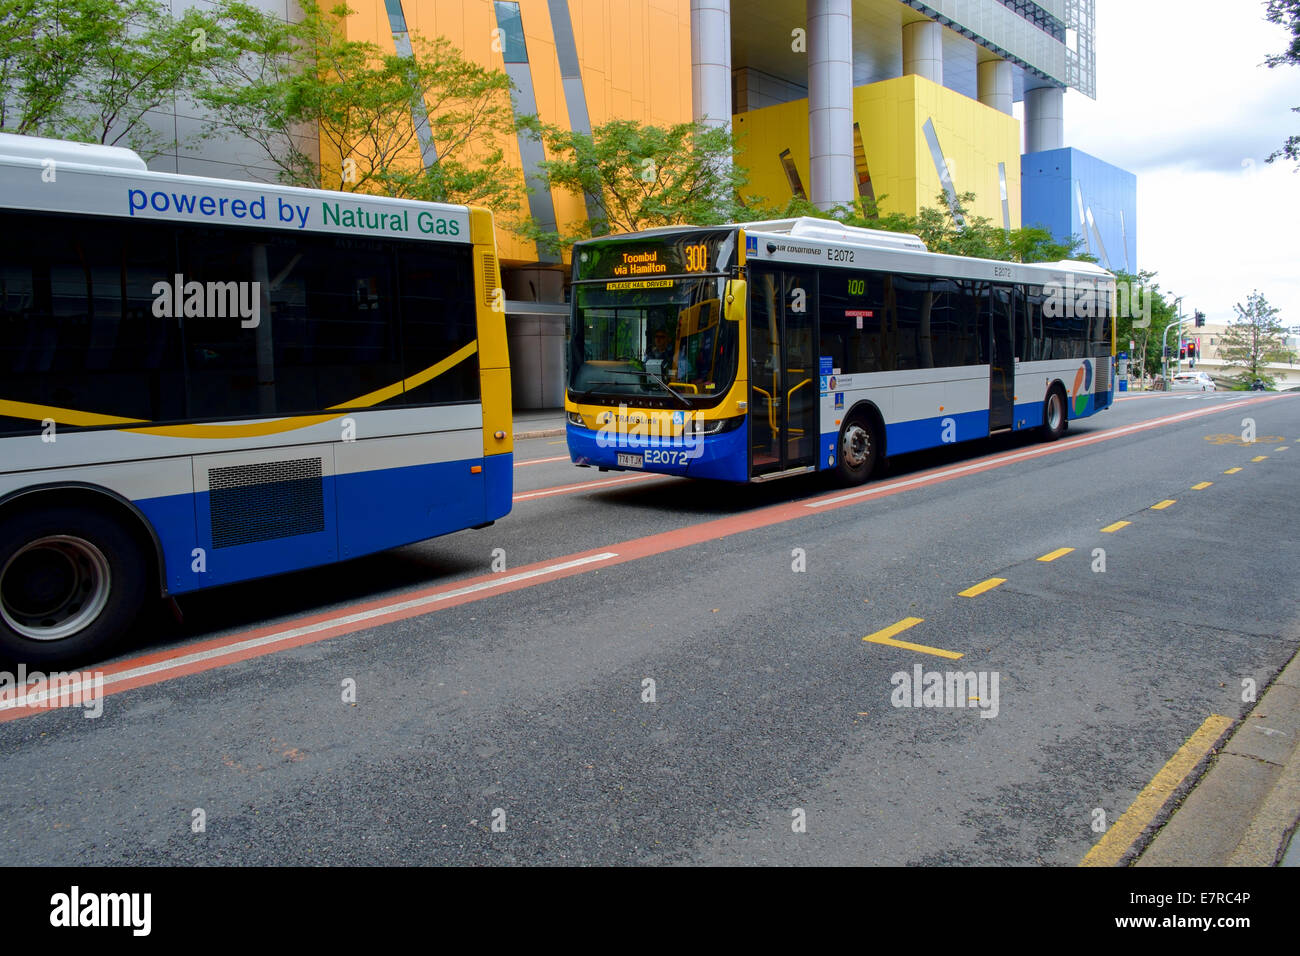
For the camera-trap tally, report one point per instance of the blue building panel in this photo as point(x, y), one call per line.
point(1072, 193)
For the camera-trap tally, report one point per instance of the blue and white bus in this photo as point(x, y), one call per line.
point(769, 349)
point(205, 381)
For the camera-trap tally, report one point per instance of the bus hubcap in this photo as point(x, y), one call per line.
point(1054, 412)
point(857, 445)
point(53, 587)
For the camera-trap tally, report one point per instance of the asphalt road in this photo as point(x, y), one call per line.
point(519, 698)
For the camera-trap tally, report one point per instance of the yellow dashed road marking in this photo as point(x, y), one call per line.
point(976, 590)
point(1260, 458)
point(1232, 471)
point(1058, 553)
point(1112, 528)
point(1162, 505)
point(1202, 486)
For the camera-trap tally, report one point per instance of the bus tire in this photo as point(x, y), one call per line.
point(1054, 418)
point(858, 450)
point(71, 582)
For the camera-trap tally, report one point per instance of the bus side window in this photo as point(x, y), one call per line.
point(1035, 347)
point(850, 341)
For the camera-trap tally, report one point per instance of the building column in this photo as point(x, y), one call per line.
point(830, 101)
point(923, 50)
point(711, 61)
point(1044, 119)
point(995, 85)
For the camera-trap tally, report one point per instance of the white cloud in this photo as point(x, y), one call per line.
point(1184, 101)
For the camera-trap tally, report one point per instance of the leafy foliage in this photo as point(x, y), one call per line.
point(428, 126)
point(1254, 340)
point(91, 70)
point(1286, 13)
point(1146, 330)
point(636, 176)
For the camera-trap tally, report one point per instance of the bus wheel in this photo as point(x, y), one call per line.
point(71, 582)
point(1054, 420)
point(859, 450)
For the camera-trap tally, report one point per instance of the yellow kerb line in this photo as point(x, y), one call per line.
point(886, 637)
point(1058, 553)
point(1117, 841)
point(1201, 486)
point(975, 590)
point(1232, 471)
point(1112, 528)
point(1162, 505)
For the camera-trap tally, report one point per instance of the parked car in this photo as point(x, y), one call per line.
point(1192, 382)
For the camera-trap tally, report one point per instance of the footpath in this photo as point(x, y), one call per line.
point(1243, 808)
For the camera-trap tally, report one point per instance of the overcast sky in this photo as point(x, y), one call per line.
point(1184, 101)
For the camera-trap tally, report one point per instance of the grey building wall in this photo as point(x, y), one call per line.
point(225, 155)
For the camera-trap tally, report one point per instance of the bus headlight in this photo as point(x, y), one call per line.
point(720, 425)
point(576, 419)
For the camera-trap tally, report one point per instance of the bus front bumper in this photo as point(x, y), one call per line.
point(723, 457)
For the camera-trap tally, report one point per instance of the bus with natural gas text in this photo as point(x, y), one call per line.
point(206, 381)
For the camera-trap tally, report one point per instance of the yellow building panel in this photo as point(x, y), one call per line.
point(762, 136)
point(892, 115)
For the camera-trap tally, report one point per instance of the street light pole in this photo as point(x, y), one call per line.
point(1164, 352)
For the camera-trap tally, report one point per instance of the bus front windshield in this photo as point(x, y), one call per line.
point(661, 339)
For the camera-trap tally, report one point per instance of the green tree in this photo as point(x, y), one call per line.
point(636, 176)
point(1286, 13)
point(1253, 340)
point(91, 70)
point(428, 126)
point(1148, 314)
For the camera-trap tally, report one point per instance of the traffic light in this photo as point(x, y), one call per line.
point(1200, 320)
point(1191, 350)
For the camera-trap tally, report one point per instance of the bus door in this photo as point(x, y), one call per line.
point(1002, 359)
point(783, 370)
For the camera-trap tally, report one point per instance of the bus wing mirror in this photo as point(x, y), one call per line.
point(734, 305)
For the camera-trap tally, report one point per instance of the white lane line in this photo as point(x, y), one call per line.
point(582, 487)
point(1002, 459)
point(32, 700)
point(540, 461)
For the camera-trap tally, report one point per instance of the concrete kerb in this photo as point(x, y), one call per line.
point(1243, 809)
point(539, 433)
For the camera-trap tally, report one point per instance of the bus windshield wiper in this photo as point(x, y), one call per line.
point(685, 402)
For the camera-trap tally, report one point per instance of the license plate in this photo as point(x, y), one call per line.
point(631, 461)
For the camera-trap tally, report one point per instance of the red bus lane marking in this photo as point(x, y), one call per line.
point(218, 652)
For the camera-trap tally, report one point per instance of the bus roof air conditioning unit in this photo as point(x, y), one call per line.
point(828, 230)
